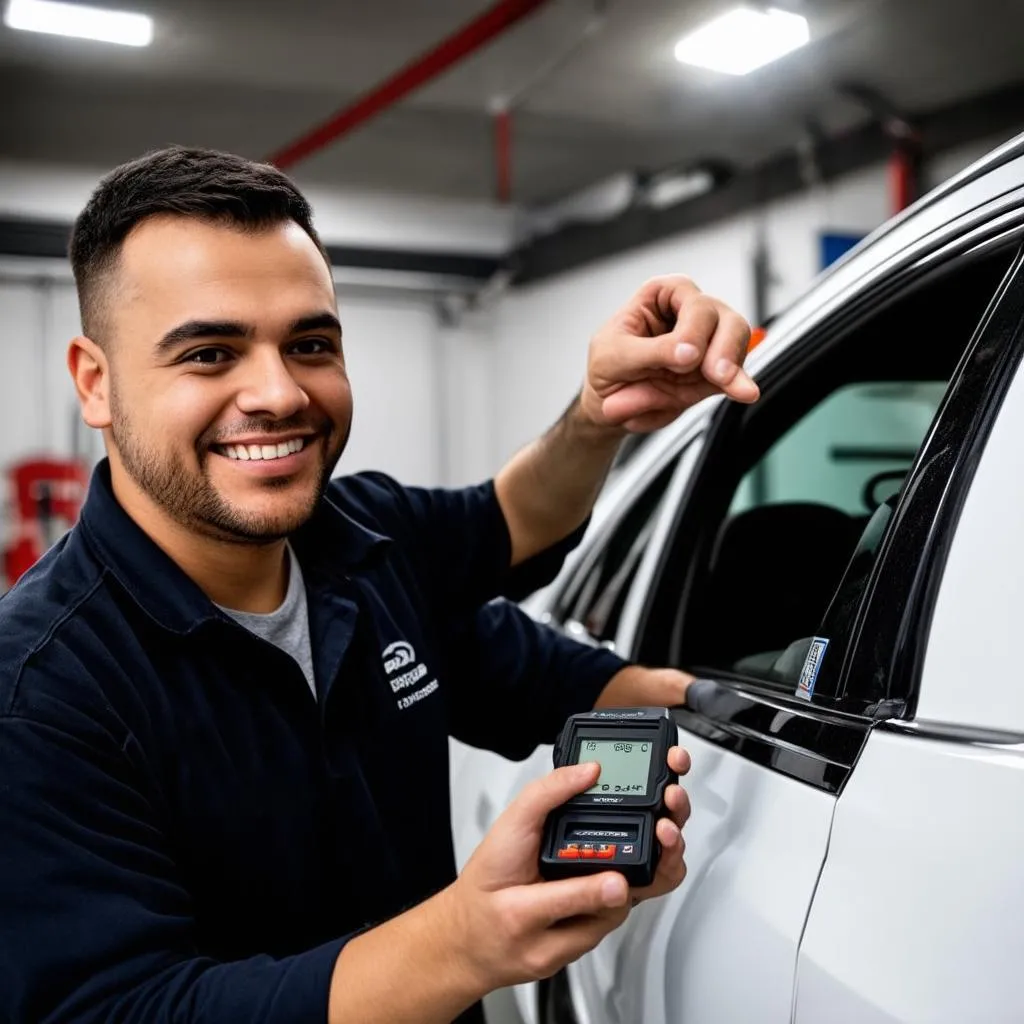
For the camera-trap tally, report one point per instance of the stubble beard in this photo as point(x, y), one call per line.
point(189, 497)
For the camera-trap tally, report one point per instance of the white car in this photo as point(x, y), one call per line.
point(842, 565)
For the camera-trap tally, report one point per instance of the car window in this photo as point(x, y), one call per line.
point(771, 554)
point(593, 602)
point(801, 512)
point(850, 452)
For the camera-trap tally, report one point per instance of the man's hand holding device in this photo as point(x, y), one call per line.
point(507, 927)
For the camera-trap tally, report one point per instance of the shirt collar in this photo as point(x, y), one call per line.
point(331, 542)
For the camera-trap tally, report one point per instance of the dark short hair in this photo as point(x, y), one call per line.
point(201, 183)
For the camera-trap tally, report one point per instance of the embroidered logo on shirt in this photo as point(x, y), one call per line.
point(398, 657)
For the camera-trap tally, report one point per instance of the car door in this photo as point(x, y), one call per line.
point(759, 590)
point(927, 827)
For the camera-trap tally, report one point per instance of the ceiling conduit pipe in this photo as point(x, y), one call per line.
point(503, 152)
point(471, 37)
point(905, 163)
point(503, 106)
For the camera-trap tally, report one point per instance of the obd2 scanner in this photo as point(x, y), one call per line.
point(611, 825)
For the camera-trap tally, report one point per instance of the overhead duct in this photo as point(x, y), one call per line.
point(680, 183)
point(594, 204)
point(613, 196)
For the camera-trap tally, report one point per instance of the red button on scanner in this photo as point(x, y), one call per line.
point(605, 852)
point(587, 851)
point(569, 851)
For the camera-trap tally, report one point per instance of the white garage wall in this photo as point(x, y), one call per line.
point(542, 331)
point(21, 370)
point(466, 386)
point(37, 401)
point(391, 355)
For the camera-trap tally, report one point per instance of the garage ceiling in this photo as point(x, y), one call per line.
point(252, 77)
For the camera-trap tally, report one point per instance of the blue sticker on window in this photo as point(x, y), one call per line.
point(812, 665)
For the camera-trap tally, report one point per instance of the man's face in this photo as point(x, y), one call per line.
point(229, 404)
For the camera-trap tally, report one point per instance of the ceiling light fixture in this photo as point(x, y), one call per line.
point(80, 22)
point(743, 39)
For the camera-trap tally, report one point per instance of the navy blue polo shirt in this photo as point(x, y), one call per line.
point(186, 833)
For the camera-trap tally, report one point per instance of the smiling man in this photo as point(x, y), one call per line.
point(224, 427)
point(226, 695)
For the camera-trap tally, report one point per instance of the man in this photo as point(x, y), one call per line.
point(225, 697)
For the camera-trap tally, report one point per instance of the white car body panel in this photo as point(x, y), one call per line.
point(899, 930)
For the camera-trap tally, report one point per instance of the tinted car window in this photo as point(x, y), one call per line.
point(862, 434)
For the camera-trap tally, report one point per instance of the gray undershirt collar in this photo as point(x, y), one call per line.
point(288, 626)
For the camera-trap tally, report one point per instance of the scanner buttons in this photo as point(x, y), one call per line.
point(586, 851)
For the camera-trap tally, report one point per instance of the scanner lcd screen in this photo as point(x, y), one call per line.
point(625, 764)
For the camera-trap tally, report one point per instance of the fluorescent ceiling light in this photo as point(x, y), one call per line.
point(80, 22)
point(743, 39)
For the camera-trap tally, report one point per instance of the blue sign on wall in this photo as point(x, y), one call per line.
point(834, 245)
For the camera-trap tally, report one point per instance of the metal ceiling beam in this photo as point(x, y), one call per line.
point(48, 240)
point(471, 37)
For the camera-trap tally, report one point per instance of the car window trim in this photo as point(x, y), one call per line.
point(814, 745)
point(989, 739)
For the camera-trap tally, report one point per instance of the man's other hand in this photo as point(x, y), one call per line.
point(638, 687)
point(669, 347)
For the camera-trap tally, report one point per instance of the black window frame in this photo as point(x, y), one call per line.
point(895, 616)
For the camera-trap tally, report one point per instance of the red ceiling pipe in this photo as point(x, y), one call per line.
point(503, 151)
point(470, 37)
point(905, 174)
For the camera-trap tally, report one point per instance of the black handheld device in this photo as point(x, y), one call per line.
point(611, 825)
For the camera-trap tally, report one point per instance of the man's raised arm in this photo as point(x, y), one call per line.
point(669, 347)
